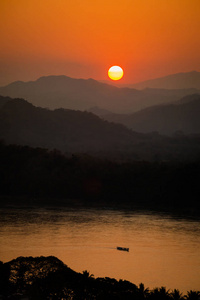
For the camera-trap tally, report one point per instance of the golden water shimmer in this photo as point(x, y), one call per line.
point(164, 251)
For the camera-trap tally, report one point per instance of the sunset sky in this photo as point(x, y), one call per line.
point(83, 38)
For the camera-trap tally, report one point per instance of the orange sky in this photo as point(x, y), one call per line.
point(83, 38)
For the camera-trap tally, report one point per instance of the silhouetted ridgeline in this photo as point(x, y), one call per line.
point(38, 173)
point(75, 131)
point(181, 116)
point(49, 278)
point(62, 91)
point(173, 81)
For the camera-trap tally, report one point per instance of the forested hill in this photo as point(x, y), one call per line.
point(78, 132)
point(49, 278)
point(29, 174)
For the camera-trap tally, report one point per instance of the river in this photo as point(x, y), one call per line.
point(164, 249)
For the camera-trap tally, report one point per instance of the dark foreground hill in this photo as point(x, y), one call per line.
point(62, 91)
point(182, 116)
point(49, 278)
point(82, 132)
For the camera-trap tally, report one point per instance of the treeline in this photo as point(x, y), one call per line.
point(39, 173)
point(49, 278)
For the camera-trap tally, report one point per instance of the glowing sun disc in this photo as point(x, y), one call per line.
point(115, 73)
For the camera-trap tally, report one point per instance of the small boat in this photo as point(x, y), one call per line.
point(123, 249)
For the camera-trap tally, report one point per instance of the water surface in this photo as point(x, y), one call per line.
point(164, 250)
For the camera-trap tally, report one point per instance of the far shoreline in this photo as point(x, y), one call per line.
point(28, 202)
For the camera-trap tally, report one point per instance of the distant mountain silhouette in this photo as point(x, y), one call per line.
point(72, 131)
point(175, 81)
point(80, 94)
point(99, 111)
point(182, 116)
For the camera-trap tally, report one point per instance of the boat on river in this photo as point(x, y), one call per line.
point(123, 249)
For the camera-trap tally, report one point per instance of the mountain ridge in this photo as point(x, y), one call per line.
point(82, 94)
point(171, 81)
point(181, 116)
point(70, 131)
point(21, 122)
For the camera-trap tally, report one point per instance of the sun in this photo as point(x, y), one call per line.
point(115, 73)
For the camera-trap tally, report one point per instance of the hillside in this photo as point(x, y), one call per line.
point(71, 131)
point(182, 116)
point(173, 81)
point(80, 94)
point(67, 130)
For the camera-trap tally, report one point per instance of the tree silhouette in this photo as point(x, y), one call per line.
point(49, 278)
point(160, 294)
point(87, 274)
point(176, 295)
point(193, 295)
point(143, 292)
